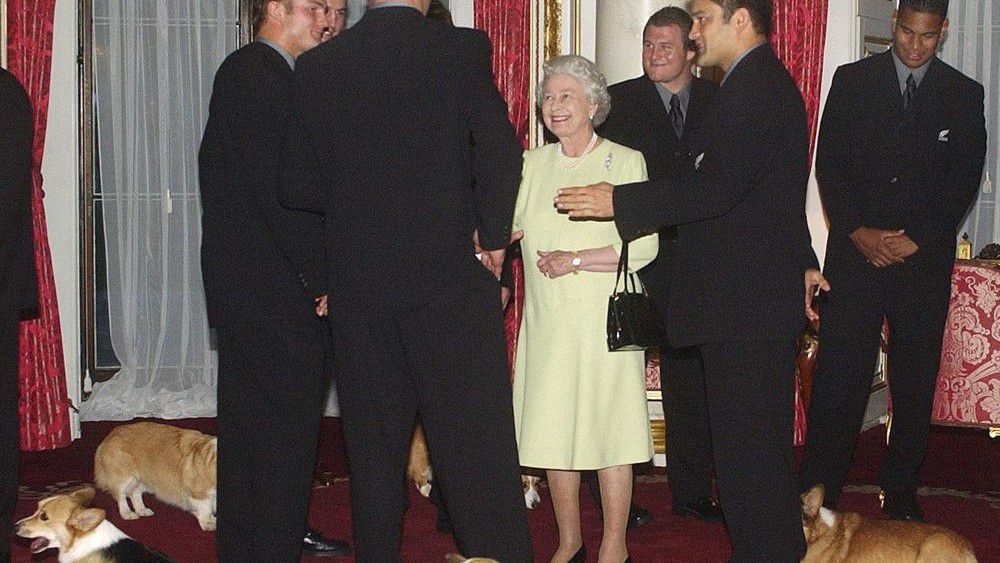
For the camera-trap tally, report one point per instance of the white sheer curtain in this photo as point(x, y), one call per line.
point(973, 47)
point(154, 62)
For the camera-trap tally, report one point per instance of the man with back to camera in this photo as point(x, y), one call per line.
point(18, 284)
point(263, 276)
point(419, 328)
point(656, 114)
point(743, 251)
point(899, 160)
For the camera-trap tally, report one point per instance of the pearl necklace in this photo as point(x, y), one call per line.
point(571, 162)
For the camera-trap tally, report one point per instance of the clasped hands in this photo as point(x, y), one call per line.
point(882, 247)
point(555, 263)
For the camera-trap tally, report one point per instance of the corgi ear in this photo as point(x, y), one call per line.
point(86, 519)
point(812, 501)
point(83, 496)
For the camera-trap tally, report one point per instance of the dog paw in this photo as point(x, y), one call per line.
point(425, 489)
point(130, 516)
point(144, 511)
point(207, 524)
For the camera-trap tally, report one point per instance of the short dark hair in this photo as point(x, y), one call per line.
point(438, 11)
point(761, 12)
point(258, 11)
point(672, 15)
point(938, 7)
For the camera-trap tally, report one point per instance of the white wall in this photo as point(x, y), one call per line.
point(62, 194)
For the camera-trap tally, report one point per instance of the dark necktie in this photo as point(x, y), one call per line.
point(911, 90)
point(676, 115)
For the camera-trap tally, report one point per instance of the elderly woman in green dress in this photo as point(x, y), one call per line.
point(577, 406)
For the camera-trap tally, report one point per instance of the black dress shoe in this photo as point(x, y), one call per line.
point(580, 556)
point(902, 507)
point(313, 543)
point(703, 509)
point(638, 516)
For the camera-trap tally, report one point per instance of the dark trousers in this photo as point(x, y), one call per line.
point(446, 361)
point(750, 390)
point(273, 383)
point(689, 436)
point(10, 439)
point(913, 297)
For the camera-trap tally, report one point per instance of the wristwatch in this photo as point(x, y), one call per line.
point(576, 262)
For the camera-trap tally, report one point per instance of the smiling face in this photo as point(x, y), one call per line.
point(336, 18)
point(566, 109)
point(665, 56)
point(916, 35)
point(302, 23)
point(714, 36)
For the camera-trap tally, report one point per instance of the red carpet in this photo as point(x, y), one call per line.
point(963, 493)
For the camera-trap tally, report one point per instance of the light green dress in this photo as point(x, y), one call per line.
point(576, 405)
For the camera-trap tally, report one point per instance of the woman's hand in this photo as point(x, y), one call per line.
point(555, 263)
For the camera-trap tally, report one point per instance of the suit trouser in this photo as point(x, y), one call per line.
point(750, 392)
point(446, 361)
point(689, 436)
point(913, 297)
point(10, 440)
point(273, 383)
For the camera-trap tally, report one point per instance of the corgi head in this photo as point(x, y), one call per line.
point(816, 520)
point(529, 485)
point(60, 520)
point(456, 558)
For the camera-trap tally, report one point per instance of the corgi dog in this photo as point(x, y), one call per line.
point(419, 470)
point(175, 464)
point(832, 537)
point(81, 534)
point(456, 558)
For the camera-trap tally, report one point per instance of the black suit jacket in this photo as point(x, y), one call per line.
point(18, 283)
point(880, 166)
point(639, 120)
point(407, 150)
point(260, 261)
point(743, 241)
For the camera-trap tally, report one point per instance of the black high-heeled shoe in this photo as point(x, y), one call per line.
point(580, 556)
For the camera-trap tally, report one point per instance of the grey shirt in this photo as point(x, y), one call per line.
point(903, 71)
point(684, 95)
point(281, 51)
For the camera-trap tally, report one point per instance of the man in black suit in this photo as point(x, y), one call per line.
point(388, 109)
point(742, 253)
point(18, 284)
point(899, 160)
point(656, 114)
point(263, 272)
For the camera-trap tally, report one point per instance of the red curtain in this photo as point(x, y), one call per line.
point(507, 24)
point(799, 37)
point(44, 407)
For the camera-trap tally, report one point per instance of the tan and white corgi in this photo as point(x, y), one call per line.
point(833, 537)
point(419, 470)
point(81, 534)
point(175, 464)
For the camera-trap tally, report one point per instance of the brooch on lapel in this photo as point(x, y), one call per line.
point(607, 161)
point(943, 135)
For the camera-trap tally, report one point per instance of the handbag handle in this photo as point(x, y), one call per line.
point(623, 271)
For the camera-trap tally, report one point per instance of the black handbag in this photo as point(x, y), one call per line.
point(633, 321)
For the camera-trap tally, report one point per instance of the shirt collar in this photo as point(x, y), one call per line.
point(666, 94)
point(281, 51)
point(739, 59)
point(903, 71)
